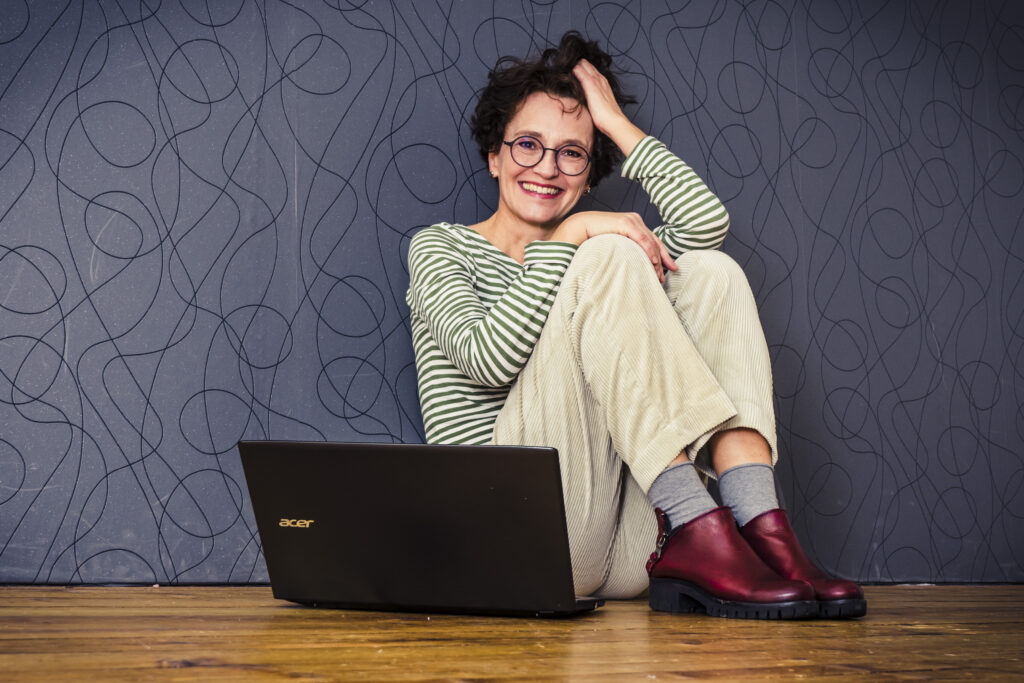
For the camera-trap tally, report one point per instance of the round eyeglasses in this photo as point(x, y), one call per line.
point(527, 151)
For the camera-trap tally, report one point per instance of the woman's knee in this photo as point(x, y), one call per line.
point(711, 260)
point(603, 252)
point(713, 266)
point(609, 246)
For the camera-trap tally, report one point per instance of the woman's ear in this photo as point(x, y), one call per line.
point(492, 164)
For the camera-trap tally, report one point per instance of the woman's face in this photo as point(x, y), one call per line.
point(542, 195)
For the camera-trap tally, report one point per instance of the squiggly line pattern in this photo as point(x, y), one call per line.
point(205, 209)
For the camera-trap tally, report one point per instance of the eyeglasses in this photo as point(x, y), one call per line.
point(527, 151)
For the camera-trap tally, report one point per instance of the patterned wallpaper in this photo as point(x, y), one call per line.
point(205, 209)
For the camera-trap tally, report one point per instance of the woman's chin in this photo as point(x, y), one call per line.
point(547, 219)
point(543, 216)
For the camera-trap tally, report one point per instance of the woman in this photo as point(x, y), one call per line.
point(637, 353)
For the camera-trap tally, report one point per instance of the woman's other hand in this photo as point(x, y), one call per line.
point(606, 112)
point(581, 226)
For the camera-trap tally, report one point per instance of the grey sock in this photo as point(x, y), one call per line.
point(749, 490)
point(679, 491)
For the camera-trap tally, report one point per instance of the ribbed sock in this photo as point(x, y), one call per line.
point(749, 490)
point(679, 491)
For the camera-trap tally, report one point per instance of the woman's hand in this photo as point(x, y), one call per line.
point(580, 227)
point(606, 112)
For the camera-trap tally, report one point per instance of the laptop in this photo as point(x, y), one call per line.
point(424, 528)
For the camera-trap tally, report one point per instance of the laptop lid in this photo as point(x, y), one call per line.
point(474, 529)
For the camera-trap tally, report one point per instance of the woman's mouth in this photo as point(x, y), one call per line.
point(545, 190)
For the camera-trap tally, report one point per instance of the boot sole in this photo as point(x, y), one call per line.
point(850, 608)
point(682, 597)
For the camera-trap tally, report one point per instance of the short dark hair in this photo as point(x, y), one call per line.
point(512, 80)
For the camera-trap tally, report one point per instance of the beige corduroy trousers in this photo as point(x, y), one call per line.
point(627, 374)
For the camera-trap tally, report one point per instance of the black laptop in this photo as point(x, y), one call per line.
point(454, 529)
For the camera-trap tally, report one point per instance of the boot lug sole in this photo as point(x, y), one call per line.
point(849, 608)
point(682, 597)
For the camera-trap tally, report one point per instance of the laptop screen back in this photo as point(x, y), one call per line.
point(446, 528)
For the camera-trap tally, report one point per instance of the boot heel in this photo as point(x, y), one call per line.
point(666, 595)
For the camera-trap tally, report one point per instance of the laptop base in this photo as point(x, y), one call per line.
point(583, 606)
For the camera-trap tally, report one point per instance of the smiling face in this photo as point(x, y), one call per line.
point(542, 195)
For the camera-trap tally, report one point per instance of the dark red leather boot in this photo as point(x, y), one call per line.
point(772, 538)
point(706, 566)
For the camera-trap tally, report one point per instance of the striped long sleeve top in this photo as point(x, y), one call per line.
point(476, 313)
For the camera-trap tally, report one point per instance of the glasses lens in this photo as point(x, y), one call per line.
point(572, 159)
point(527, 151)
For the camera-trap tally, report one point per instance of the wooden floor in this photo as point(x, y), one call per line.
point(241, 633)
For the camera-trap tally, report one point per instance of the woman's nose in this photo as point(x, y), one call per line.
point(547, 166)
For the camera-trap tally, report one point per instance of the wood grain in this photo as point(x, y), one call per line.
point(241, 633)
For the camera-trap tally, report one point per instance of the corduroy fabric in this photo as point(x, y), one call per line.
point(712, 297)
point(618, 385)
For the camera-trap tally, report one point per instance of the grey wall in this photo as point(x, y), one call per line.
point(205, 208)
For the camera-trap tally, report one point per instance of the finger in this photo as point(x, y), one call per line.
point(585, 66)
point(663, 260)
point(634, 229)
point(640, 238)
point(666, 257)
point(585, 81)
point(652, 248)
point(669, 263)
point(583, 71)
point(588, 76)
point(643, 236)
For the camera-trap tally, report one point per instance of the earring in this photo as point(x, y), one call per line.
point(586, 190)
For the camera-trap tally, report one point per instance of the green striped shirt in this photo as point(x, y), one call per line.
point(476, 313)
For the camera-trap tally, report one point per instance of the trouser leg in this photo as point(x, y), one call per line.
point(614, 380)
point(712, 297)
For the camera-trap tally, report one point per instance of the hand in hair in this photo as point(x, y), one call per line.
point(604, 109)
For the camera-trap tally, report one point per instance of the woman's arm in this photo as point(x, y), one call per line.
point(694, 217)
point(489, 346)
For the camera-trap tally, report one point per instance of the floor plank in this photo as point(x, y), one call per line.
point(241, 633)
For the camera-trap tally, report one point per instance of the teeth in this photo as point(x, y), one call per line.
point(538, 188)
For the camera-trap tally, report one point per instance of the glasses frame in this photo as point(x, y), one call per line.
point(544, 151)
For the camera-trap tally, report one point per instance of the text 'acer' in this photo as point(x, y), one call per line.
point(299, 523)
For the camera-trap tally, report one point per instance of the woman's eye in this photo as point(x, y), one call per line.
point(571, 153)
point(527, 144)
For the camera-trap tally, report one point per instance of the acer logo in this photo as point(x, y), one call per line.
point(297, 523)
